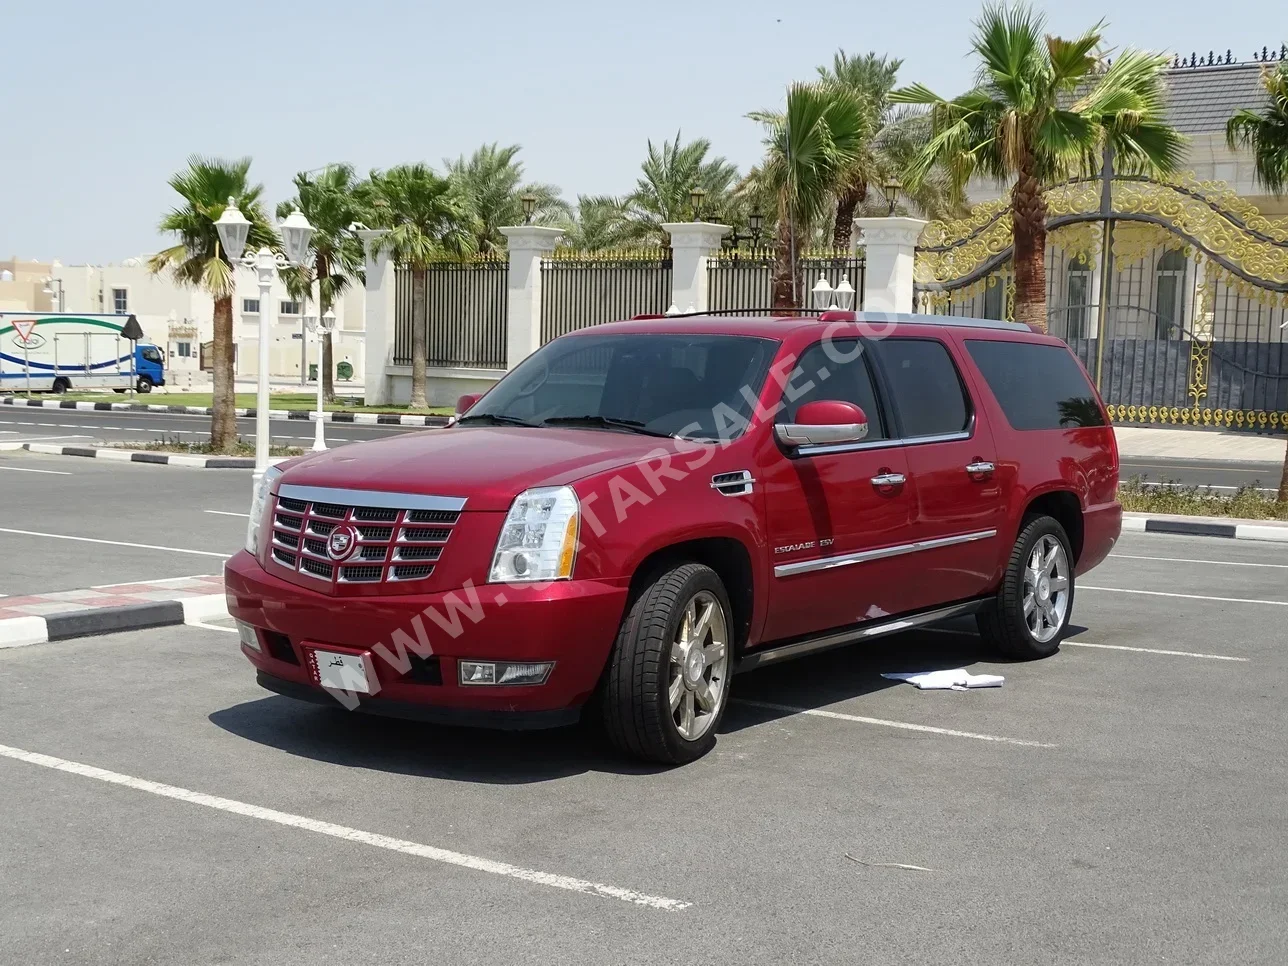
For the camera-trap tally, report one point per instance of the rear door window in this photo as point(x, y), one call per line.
point(927, 390)
point(1038, 386)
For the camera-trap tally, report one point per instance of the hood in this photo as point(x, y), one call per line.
point(486, 465)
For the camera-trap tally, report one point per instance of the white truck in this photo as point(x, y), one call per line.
point(58, 351)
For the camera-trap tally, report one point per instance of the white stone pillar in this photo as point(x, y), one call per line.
point(378, 316)
point(692, 243)
point(527, 245)
point(890, 245)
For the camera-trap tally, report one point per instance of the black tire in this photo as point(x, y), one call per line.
point(61, 385)
point(119, 392)
point(145, 384)
point(1003, 623)
point(634, 700)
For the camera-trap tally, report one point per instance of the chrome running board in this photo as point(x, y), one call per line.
point(855, 632)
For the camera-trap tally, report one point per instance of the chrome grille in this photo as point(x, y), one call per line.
point(393, 544)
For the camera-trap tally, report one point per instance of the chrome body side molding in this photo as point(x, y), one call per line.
point(855, 632)
point(878, 553)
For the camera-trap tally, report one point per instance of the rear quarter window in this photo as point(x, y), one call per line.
point(1037, 386)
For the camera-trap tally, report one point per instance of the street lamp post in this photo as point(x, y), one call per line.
point(48, 290)
point(696, 197)
point(324, 327)
point(296, 232)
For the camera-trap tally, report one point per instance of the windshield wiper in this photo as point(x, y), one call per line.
point(498, 418)
point(608, 422)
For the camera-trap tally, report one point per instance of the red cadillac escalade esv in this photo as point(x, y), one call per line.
point(641, 509)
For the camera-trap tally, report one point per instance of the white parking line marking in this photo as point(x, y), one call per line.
point(162, 580)
point(904, 725)
point(1160, 593)
point(116, 543)
point(1151, 650)
point(213, 627)
point(227, 513)
point(1222, 563)
point(26, 469)
point(349, 834)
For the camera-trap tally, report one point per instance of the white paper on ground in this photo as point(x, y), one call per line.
point(955, 680)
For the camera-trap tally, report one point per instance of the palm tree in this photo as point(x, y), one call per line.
point(600, 224)
point(198, 261)
point(1044, 109)
point(897, 136)
point(664, 190)
point(809, 146)
point(430, 221)
point(491, 184)
point(1265, 131)
point(331, 202)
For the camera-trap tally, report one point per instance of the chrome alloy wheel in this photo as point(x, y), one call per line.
point(699, 667)
point(1046, 588)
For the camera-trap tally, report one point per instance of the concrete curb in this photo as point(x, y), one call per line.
point(363, 419)
point(134, 456)
point(23, 631)
point(1230, 529)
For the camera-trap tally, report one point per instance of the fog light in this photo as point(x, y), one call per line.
point(503, 672)
point(249, 636)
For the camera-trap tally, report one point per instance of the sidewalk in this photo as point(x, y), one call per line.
point(1199, 444)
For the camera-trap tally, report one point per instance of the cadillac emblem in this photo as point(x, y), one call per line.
point(342, 542)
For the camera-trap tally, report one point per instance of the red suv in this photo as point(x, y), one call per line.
point(641, 509)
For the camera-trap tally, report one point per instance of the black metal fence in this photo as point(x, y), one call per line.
point(580, 289)
point(741, 282)
point(466, 305)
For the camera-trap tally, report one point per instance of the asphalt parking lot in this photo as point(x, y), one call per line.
point(1121, 802)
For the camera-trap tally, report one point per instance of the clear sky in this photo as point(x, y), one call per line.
point(104, 100)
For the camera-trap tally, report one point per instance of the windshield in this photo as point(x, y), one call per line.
point(695, 386)
point(150, 353)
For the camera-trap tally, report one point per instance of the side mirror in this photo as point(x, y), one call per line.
point(823, 422)
point(465, 402)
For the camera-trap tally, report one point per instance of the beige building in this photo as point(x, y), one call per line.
point(23, 285)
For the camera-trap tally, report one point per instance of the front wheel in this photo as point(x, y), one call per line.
point(667, 683)
point(1030, 614)
point(145, 384)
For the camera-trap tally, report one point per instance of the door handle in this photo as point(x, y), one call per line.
point(980, 468)
point(889, 479)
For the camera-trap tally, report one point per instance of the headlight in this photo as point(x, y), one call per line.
point(258, 505)
point(538, 541)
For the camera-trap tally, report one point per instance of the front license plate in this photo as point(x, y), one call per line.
point(341, 672)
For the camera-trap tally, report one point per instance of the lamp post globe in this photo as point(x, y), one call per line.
point(844, 294)
point(233, 228)
point(296, 234)
point(822, 294)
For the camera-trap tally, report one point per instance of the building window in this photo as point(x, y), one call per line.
point(185, 349)
point(289, 308)
point(121, 301)
point(250, 306)
point(1169, 295)
point(1079, 298)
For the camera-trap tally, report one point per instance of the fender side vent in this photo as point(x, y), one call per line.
point(738, 483)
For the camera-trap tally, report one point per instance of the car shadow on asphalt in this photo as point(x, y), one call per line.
point(851, 672)
point(393, 745)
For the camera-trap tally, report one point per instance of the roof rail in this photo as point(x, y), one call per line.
point(839, 315)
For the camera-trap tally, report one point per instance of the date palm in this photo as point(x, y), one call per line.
point(663, 192)
point(1265, 132)
point(897, 134)
point(429, 221)
point(331, 201)
point(1044, 109)
point(808, 147)
point(490, 182)
point(198, 261)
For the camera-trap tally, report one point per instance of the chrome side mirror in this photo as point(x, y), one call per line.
point(824, 422)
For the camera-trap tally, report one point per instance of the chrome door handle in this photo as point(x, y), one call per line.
point(980, 468)
point(889, 479)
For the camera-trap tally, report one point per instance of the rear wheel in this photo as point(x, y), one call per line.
point(61, 385)
point(1030, 614)
point(667, 683)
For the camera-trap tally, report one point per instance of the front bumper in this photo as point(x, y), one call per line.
point(572, 623)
